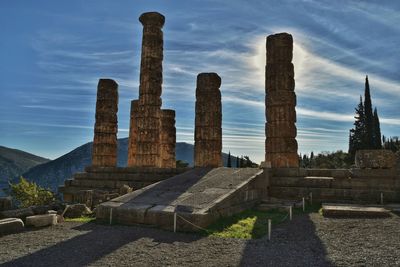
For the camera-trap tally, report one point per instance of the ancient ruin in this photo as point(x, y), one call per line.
point(105, 129)
point(208, 131)
point(280, 101)
point(203, 194)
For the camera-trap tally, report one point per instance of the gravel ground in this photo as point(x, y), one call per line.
point(309, 240)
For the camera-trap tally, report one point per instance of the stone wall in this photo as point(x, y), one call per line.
point(208, 131)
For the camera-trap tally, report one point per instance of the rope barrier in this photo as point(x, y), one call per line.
point(199, 227)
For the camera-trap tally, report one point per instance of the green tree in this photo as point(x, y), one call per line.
point(229, 164)
point(369, 118)
point(30, 194)
point(377, 131)
point(357, 134)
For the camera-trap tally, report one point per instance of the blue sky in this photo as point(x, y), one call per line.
point(54, 52)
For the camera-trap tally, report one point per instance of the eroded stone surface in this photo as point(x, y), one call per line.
point(41, 220)
point(280, 129)
point(105, 130)
point(375, 159)
point(208, 131)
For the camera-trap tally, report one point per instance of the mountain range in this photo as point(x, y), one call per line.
point(51, 174)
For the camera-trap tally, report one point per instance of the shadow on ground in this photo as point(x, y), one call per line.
point(293, 243)
point(96, 242)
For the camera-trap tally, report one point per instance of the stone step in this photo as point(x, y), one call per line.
point(351, 210)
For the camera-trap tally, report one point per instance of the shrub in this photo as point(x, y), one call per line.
point(30, 194)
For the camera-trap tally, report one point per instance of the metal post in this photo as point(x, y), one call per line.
point(310, 198)
point(304, 205)
point(381, 198)
point(111, 216)
point(174, 222)
point(269, 229)
point(290, 212)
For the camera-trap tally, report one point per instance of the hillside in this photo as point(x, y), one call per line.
point(53, 173)
point(14, 162)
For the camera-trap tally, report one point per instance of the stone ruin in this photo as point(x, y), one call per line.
point(152, 132)
point(104, 151)
point(208, 131)
point(280, 102)
point(209, 191)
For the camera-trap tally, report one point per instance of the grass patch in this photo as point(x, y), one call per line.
point(252, 224)
point(83, 219)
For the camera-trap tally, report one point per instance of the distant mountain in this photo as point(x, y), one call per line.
point(14, 162)
point(53, 173)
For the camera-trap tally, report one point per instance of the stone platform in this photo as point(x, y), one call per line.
point(111, 179)
point(347, 210)
point(200, 195)
point(346, 185)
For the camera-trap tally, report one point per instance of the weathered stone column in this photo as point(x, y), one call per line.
point(104, 152)
point(133, 134)
point(148, 119)
point(167, 139)
point(280, 144)
point(208, 131)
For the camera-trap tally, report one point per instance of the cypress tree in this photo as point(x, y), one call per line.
point(377, 131)
point(229, 164)
point(369, 118)
point(357, 134)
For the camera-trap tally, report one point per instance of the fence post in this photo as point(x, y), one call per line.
point(381, 198)
point(311, 198)
point(290, 212)
point(174, 222)
point(269, 229)
point(304, 205)
point(111, 215)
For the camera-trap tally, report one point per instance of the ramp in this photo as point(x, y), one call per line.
point(199, 196)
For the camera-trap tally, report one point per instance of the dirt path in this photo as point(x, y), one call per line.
point(308, 240)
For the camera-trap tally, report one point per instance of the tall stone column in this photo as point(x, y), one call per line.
point(104, 152)
point(132, 149)
point(280, 144)
point(208, 131)
point(148, 119)
point(167, 139)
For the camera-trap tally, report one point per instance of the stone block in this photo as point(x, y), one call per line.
point(5, 203)
point(76, 211)
point(375, 159)
point(11, 225)
point(41, 220)
point(17, 213)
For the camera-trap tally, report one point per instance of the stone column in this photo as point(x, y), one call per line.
point(167, 139)
point(133, 134)
point(208, 131)
point(104, 152)
point(280, 144)
point(148, 119)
